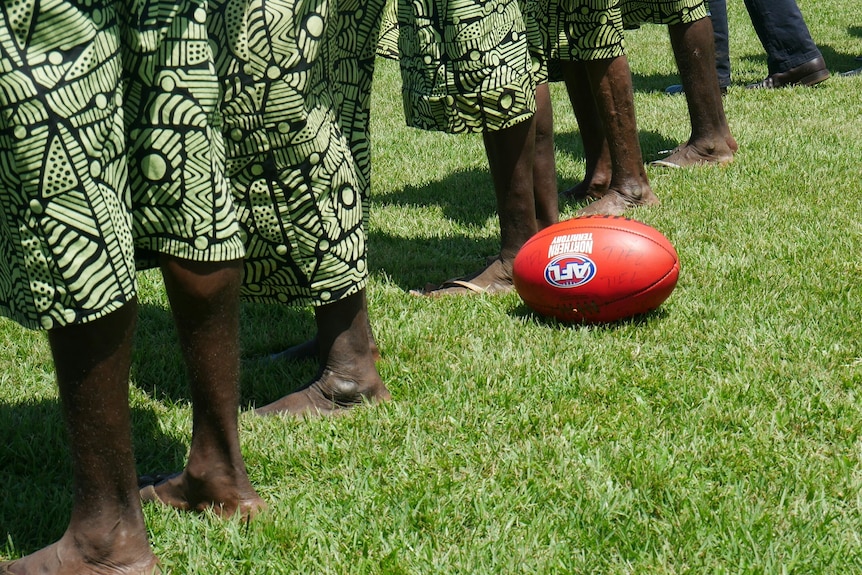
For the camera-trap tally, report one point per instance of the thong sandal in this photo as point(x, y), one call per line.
point(147, 486)
point(681, 159)
point(500, 282)
point(461, 287)
point(664, 164)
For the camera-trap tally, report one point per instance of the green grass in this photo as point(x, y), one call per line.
point(720, 434)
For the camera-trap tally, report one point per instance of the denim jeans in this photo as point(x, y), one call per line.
point(779, 26)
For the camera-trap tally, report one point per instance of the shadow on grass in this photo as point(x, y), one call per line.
point(412, 262)
point(654, 82)
point(658, 314)
point(652, 144)
point(36, 472)
point(465, 197)
point(838, 62)
point(159, 371)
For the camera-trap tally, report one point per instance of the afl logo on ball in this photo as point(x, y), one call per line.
point(570, 270)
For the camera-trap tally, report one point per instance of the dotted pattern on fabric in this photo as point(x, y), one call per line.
point(297, 83)
point(67, 189)
point(466, 66)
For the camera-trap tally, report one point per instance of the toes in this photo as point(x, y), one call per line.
point(496, 278)
point(687, 156)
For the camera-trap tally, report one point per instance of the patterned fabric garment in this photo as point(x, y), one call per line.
point(66, 231)
point(534, 12)
point(586, 30)
point(466, 65)
point(667, 12)
point(387, 45)
point(181, 198)
point(537, 17)
point(297, 85)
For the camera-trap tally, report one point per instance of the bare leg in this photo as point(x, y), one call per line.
point(310, 349)
point(544, 164)
point(510, 158)
point(106, 533)
point(348, 376)
point(205, 303)
point(711, 141)
point(597, 156)
point(611, 82)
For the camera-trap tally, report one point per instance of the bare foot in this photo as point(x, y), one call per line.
point(225, 493)
point(732, 144)
point(74, 554)
point(615, 203)
point(585, 191)
point(496, 278)
point(691, 154)
point(330, 394)
point(348, 375)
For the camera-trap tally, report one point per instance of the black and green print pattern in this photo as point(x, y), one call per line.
point(586, 30)
point(180, 194)
point(297, 83)
point(466, 65)
point(668, 12)
point(85, 177)
point(65, 232)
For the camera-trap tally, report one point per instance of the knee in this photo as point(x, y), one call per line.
point(201, 281)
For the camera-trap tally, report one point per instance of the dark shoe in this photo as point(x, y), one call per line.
point(807, 74)
point(676, 89)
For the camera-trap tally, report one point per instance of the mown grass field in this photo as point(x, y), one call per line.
point(720, 434)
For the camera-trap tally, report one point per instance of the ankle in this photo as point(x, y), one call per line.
point(711, 146)
point(633, 190)
point(120, 542)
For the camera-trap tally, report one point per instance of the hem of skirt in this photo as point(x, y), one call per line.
point(300, 296)
point(56, 318)
point(147, 253)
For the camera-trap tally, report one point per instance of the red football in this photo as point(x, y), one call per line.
point(596, 269)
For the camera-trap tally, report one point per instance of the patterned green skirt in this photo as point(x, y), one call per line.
point(297, 83)
point(90, 175)
point(667, 12)
point(585, 30)
point(463, 62)
point(466, 66)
